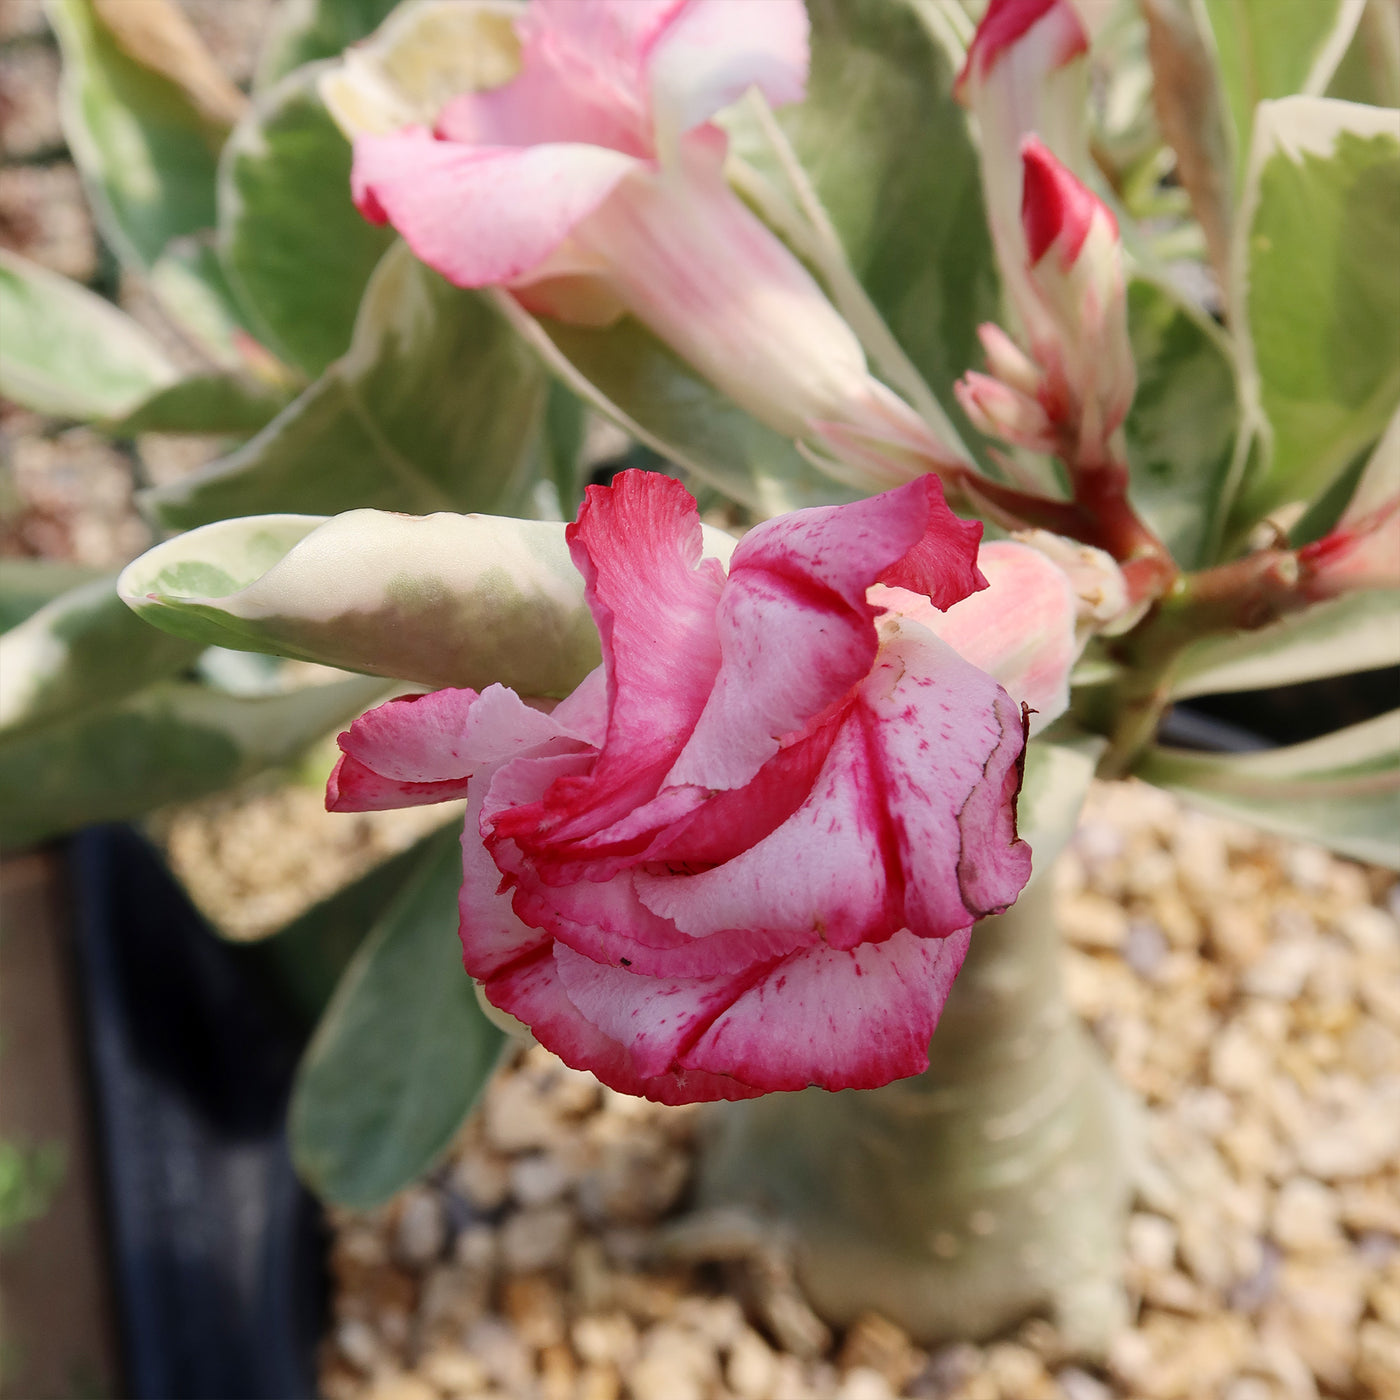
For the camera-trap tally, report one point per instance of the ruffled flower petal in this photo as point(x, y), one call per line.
point(949, 742)
point(533, 992)
point(481, 215)
point(830, 872)
point(840, 1019)
point(638, 545)
point(795, 629)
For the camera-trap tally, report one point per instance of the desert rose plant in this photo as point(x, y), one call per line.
point(1041, 404)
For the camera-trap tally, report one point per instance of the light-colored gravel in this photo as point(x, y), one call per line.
point(1247, 989)
point(256, 857)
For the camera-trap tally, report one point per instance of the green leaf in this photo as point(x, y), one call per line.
point(435, 407)
point(440, 599)
point(625, 372)
point(1370, 70)
point(192, 287)
point(82, 651)
point(27, 584)
point(305, 30)
point(297, 252)
point(1379, 482)
point(1275, 48)
point(309, 956)
point(1342, 791)
point(887, 149)
point(68, 352)
point(565, 428)
point(1182, 426)
point(172, 742)
point(232, 404)
point(1357, 632)
point(146, 153)
point(1315, 255)
point(402, 1052)
point(1191, 107)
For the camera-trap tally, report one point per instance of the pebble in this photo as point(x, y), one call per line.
point(517, 1116)
point(1091, 921)
point(863, 1383)
point(1305, 1216)
point(454, 1370)
point(535, 1309)
point(1378, 1358)
point(1283, 970)
point(638, 1177)
point(606, 1339)
point(674, 1365)
point(539, 1178)
point(502, 1354)
point(1151, 1242)
point(1080, 1385)
point(402, 1386)
point(357, 1343)
point(482, 1178)
point(477, 1248)
point(719, 1320)
point(1145, 948)
point(875, 1343)
point(752, 1369)
point(422, 1230)
point(537, 1237)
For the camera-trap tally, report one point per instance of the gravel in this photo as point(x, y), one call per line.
point(1245, 988)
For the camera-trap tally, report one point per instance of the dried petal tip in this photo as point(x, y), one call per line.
point(1055, 206)
point(1006, 23)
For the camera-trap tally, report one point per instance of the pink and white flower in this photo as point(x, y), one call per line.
point(745, 854)
point(592, 185)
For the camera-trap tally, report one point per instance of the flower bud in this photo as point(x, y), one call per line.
point(1007, 361)
point(999, 410)
point(1077, 317)
point(1102, 605)
point(1025, 73)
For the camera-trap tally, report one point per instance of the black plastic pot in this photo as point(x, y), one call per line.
point(217, 1249)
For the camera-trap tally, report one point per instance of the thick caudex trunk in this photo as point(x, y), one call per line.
point(956, 1203)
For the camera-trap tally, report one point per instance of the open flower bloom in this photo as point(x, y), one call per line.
point(1072, 393)
point(592, 185)
point(745, 854)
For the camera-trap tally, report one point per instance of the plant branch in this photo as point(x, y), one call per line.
point(1241, 596)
